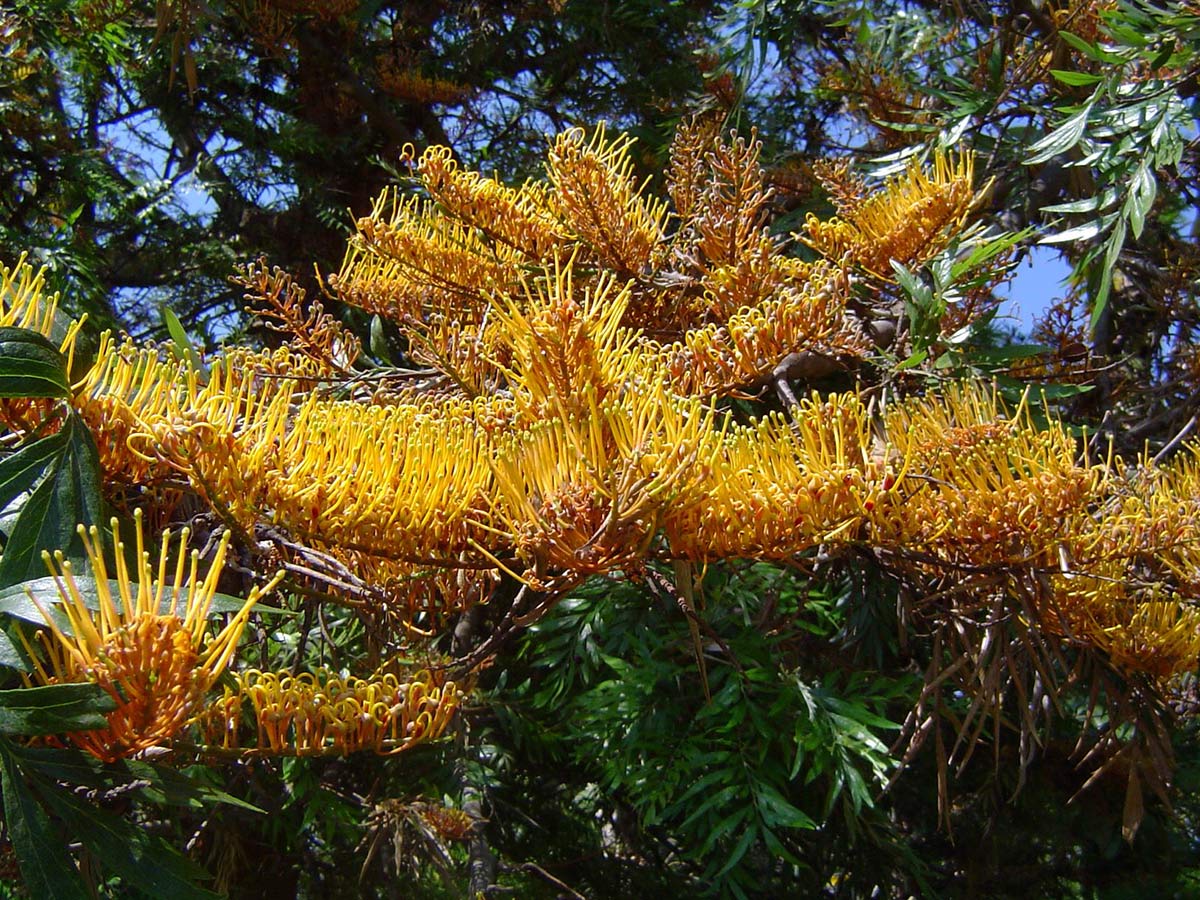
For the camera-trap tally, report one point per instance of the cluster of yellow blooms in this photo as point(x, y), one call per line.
point(321, 713)
point(577, 442)
point(23, 304)
point(906, 221)
point(983, 488)
point(146, 646)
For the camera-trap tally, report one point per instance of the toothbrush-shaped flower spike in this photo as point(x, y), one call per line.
point(146, 644)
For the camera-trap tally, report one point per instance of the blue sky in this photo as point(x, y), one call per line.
point(1040, 279)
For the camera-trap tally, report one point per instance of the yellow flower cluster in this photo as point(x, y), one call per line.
point(1113, 556)
point(597, 196)
point(716, 300)
point(586, 494)
point(565, 347)
point(316, 713)
point(807, 315)
point(780, 487)
point(156, 418)
point(909, 221)
point(982, 489)
point(400, 481)
point(146, 646)
point(24, 304)
point(517, 218)
point(130, 399)
point(1127, 580)
point(578, 443)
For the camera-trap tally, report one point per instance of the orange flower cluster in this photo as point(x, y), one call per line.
point(578, 443)
point(806, 315)
point(147, 646)
point(1127, 580)
point(881, 100)
point(1114, 554)
point(399, 481)
point(412, 85)
point(157, 418)
point(316, 713)
point(313, 334)
point(597, 196)
point(518, 218)
point(585, 495)
point(716, 299)
point(448, 823)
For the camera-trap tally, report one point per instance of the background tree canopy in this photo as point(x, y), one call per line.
point(622, 478)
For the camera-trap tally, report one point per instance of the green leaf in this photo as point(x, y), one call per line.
point(69, 495)
point(20, 471)
point(1084, 232)
point(11, 656)
point(778, 812)
point(146, 863)
point(54, 709)
point(776, 848)
point(1061, 139)
point(164, 785)
point(30, 366)
point(1126, 35)
point(914, 360)
point(722, 828)
point(739, 850)
point(1091, 51)
point(378, 342)
point(986, 250)
point(170, 787)
point(917, 289)
point(1075, 79)
point(69, 766)
point(1103, 200)
point(1164, 54)
point(1001, 355)
point(1050, 391)
point(1142, 192)
point(46, 867)
point(183, 347)
point(1112, 250)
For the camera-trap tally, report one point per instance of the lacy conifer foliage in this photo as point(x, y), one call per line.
point(582, 340)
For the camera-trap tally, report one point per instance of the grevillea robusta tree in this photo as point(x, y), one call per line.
point(652, 537)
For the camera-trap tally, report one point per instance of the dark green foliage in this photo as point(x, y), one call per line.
point(30, 366)
point(67, 495)
point(150, 149)
point(46, 866)
point(60, 473)
point(53, 708)
point(51, 792)
point(610, 711)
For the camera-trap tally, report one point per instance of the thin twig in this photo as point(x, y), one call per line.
point(1175, 441)
point(558, 883)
